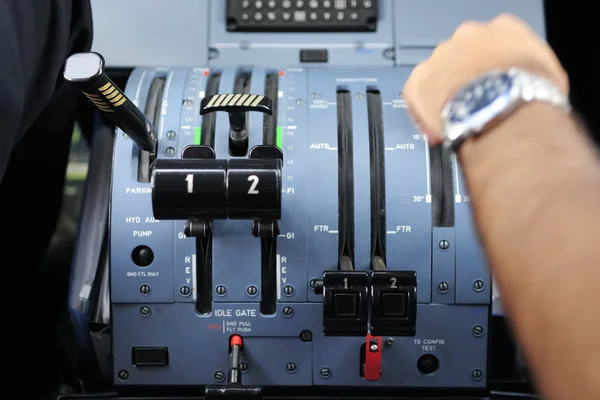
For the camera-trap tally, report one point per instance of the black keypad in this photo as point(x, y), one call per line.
point(302, 15)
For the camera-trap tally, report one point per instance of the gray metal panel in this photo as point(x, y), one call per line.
point(421, 24)
point(185, 248)
point(131, 221)
point(292, 241)
point(408, 192)
point(198, 347)
point(283, 49)
point(151, 33)
point(322, 176)
point(471, 263)
point(443, 266)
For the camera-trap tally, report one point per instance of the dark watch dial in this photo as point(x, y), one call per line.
point(479, 95)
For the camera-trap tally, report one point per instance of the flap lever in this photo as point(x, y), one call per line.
point(87, 70)
point(237, 105)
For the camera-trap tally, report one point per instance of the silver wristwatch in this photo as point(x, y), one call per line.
point(492, 97)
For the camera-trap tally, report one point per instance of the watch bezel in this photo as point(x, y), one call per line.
point(456, 132)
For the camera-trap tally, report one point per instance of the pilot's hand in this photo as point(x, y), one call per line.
point(475, 49)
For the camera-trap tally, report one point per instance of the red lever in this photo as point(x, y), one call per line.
point(373, 358)
point(236, 340)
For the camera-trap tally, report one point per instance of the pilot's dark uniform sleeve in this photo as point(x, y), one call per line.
point(37, 112)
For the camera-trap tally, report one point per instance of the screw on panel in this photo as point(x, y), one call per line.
point(291, 367)
point(359, 95)
point(476, 374)
point(123, 375)
point(288, 311)
point(325, 372)
point(145, 290)
point(252, 291)
point(171, 135)
point(443, 287)
point(219, 376)
point(478, 331)
point(444, 244)
point(299, 102)
point(244, 366)
point(170, 151)
point(313, 283)
point(185, 291)
point(390, 54)
point(244, 45)
point(213, 53)
point(478, 285)
point(315, 95)
point(145, 311)
point(288, 290)
point(306, 336)
point(374, 347)
point(221, 290)
point(389, 341)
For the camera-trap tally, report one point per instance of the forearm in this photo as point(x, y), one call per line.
point(535, 185)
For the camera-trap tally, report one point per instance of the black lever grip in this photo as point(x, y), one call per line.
point(87, 70)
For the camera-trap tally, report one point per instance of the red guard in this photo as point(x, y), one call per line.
point(373, 358)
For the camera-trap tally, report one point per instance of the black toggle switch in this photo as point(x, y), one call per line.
point(345, 303)
point(204, 189)
point(237, 105)
point(150, 356)
point(87, 70)
point(393, 303)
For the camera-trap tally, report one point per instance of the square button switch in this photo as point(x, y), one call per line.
point(393, 303)
point(345, 303)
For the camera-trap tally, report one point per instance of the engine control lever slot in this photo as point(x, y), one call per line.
point(267, 231)
point(201, 230)
point(237, 105)
point(87, 71)
point(345, 181)
point(377, 161)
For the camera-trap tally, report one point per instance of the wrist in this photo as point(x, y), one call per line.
point(537, 145)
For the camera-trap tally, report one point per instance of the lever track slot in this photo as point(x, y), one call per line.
point(442, 187)
point(152, 111)
point(377, 165)
point(345, 181)
point(204, 274)
point(437, 185)
point(242, 84)
point(268, 276)
point(209, 121)
point(270, 121)
point(447, 219)
point(204, 286)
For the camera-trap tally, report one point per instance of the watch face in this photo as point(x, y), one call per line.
point(479, 95)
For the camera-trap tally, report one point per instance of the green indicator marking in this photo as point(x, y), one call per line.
point(197, 134)
point(279, 137)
